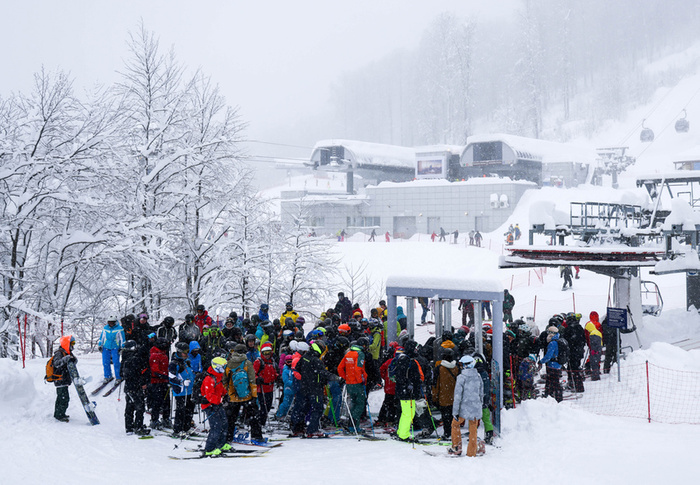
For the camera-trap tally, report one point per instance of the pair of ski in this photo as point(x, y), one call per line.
point(104, 384)
point(243, 439)
point(232, 453)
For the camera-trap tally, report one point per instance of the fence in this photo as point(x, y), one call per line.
point(645, 391)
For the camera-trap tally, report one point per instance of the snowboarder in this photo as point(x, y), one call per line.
point(61, 357)
point(372, 236)
point(477, 238)
point(442, 235)
point(409, 378)
point(468, 399)
point(565, 272)
point(111, 340)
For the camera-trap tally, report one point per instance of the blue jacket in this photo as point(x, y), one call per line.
point(195, 362)
point(259, 332)
point(253, 355)
point(263, 315)
point(550, 358)
point(290, 383)
point(179, 371)
point(112, 337)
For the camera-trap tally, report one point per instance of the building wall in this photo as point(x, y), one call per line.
point(460, 205)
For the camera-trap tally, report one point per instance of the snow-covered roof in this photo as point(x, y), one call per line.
point(366, 153)
point(534, 149)
point(441, 286)
point(689, 155)
point(456, 149)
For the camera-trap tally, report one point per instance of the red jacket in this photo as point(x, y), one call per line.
point(158, 364)
point(201, 320)
point(267, 371)
point(389, 385)
point(212, 388)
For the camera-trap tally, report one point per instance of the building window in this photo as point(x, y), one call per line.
point(315, 221)
point(363, 221)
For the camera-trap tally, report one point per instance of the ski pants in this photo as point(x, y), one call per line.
point(218, 425)
point(157, 394)
point(287, 400)
point(111, 356)
point(135, 407)
point(576, 373)
point(309, 407)
point(408, 411)
point(446, 413)
point(486, 418)
point(390, 409)
point(457, 435)
point(183, 413)
point(62, 400)
point(250, 412)
point(357, 400)
point(265, 405)
point(552, 386)
point(335, 403)
point(596, 347)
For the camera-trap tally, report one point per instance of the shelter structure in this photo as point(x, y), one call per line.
point(443, 291)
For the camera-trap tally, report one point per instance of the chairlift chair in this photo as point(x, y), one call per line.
point(682, 124)
point(647, 135)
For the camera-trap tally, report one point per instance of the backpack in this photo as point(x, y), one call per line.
point(197, 396)
point(51, 376)
point(239, 380)
point(563, 356)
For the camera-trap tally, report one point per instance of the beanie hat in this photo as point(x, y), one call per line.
point(552, 329)
point(288, 359)
point(240, 349)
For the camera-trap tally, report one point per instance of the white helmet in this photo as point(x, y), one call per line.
point(467, 361)
point(112, 318)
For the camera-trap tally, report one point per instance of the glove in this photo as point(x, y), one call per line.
point(259, 380)
point(186, 382)
point(99, 348)
point(73, 358)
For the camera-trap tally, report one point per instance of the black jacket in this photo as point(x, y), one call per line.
point(575, 335)
point(60, 367)
point(407, 374)
point(135, 370)
point(314, 375)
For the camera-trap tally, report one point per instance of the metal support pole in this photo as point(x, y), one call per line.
point(448, 316)
point(391, 319)
point(410, 325)
point(478, 325)
point(438, 319)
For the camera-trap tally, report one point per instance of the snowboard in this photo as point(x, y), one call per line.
point(88, 406)
point(101, 386)
point(496, 396)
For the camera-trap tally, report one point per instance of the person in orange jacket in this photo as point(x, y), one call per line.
point(352, 370)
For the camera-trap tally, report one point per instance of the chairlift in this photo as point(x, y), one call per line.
point(647, 135)
point(682, 124)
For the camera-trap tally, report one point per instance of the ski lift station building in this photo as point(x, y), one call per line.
point(405, 191)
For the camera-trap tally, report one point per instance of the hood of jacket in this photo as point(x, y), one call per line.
point(448, 364)
point(194, 345)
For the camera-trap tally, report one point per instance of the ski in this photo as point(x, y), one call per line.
point(101, 386)
point(215, 457)
point(88, 406)
point(262, 444)
point(245, 452)
point(441, 453)
point(113, 388)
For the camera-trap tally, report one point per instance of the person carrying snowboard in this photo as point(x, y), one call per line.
point(62, 381)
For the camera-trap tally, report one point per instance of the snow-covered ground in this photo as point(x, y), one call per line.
point(542, 441)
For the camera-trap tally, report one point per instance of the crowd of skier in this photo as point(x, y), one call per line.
point(267, 373)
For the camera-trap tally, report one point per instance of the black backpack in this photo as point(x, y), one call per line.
point(197, 396)
point(563, 356)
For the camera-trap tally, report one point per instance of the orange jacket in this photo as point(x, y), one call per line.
point(352, 366)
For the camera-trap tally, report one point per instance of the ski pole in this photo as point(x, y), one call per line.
point(432, 420)
point(345, 399)
point(330, 402)
point(369, 412)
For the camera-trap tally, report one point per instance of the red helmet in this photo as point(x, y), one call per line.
point(344, 329)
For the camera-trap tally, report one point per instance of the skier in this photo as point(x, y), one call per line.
point(158, 387)
point(468, 398)
point(471, 237)
point(167, 330)
point(290, 388)
point(409, 378)
point(352, 370)
point(189, 331)
point(508, 304)
point(135, 373)
point(388, 414)
point(309, 400)
point(213, 392)
point(239, 401)
point(456, 235)
point(553, 380)
point(576, 337)
point(423, 301)
point(446, 372)
point(202, 318)
point(289, 313)
point(516, 232)
point(595, 344)
point(343, 307)
point(181, 378)
point(372, 236)
point(442, 235)
point(110, 343)
point(61, 357)
point(477, 238)
point(526, 377)
point(387, 237)
point(266, 375)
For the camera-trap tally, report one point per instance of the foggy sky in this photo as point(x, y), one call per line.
point(274, 59)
